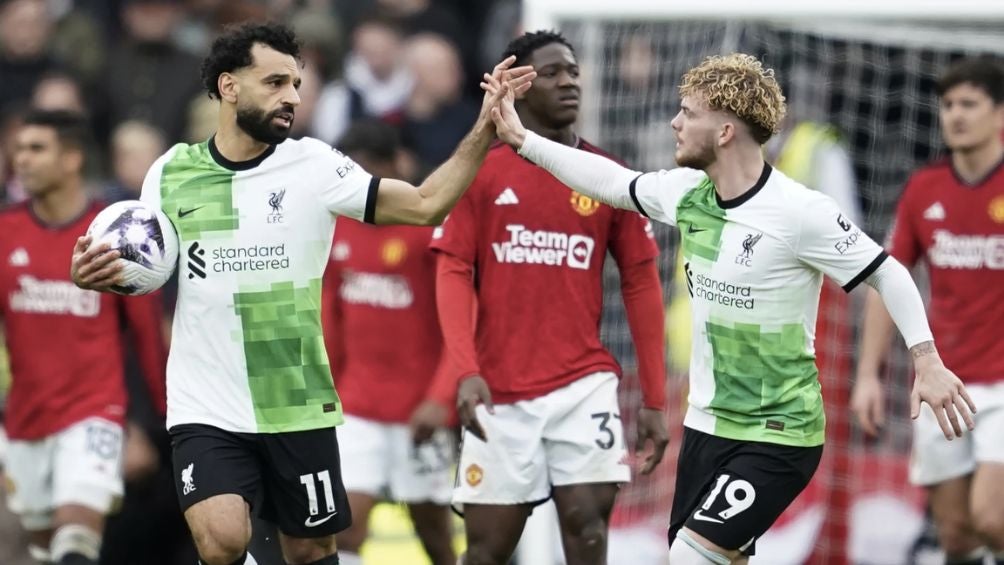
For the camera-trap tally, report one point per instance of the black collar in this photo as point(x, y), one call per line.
point(742, 198)
point(237, 165)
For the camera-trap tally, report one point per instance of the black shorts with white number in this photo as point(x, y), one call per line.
point(731, 492)
point(292, 479)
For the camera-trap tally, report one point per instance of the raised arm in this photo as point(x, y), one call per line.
point(398, 202)
point(584, 172)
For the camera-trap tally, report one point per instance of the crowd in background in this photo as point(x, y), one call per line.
point(132, 66)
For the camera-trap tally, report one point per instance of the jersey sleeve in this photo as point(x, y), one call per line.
point(346, 188)
point(150, 191)
point(632, 240)
point(902, 242)
point(458, 235)
point(657, 194)
point(834, 245)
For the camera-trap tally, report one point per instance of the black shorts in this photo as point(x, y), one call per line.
point(296, 476)
point(731, 492)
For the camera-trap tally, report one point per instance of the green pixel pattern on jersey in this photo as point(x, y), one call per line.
point(754, 367)
point(194, 185)
point(701, 221)
point(287, 363)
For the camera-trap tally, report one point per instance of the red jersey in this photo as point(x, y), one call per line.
point(537, 249)
point(380, 322)
point(959, 230)
point(66, 343)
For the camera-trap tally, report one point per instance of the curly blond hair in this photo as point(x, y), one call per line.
point(740, 84)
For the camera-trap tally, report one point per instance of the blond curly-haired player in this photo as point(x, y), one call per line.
point(756, 245)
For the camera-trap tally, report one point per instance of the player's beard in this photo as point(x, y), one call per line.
point(256, 123)
point(700, 157)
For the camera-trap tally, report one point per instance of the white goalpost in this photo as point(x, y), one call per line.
point(866, 68)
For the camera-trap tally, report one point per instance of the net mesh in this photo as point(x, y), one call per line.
point(875, 85)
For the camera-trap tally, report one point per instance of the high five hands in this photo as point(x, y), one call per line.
point(501, 87)
point(500, 96)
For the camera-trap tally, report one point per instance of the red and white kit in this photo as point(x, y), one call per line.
point(67, 400)
point(957, 229)
point(524, 254)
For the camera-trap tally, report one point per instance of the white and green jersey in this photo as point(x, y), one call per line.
point(247, 353)
point(754, 268)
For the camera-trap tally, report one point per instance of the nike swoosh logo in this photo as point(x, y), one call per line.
point(691, 229)
point(699, 516)
point(310, 523)
point(183, 213)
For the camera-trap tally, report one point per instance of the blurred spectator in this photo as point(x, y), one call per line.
point(436, 115)
point(376, 82)
point(11, 188)
point(25, 31)
point(58, 91)
point(425, 16)
point(322, 35)
point(506, 24)
point(135, 146)
point(149, 77)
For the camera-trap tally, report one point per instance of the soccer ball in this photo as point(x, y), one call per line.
point(145, 238)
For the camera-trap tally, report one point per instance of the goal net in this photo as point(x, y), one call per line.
point(861, 79)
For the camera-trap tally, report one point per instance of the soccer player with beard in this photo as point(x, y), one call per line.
point(67, 402)
point(756, 245)
point(523, 255)
point(251, 405)
point(951, 215)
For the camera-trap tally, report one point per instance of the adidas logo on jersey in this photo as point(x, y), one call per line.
point(508, 196)
point(19, 258)
point(935, 212)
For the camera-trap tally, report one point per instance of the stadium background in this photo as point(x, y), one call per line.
point(868, 69)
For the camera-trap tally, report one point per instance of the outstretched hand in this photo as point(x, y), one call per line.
point(504, 82)
point(501, 90)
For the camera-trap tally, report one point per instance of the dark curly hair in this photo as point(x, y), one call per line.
point(524, 46)
point(232, 50)
point(982, 72)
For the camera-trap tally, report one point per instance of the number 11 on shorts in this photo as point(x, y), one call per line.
point(329, 496)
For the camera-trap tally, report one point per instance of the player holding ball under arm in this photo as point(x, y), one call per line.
point(756, 245)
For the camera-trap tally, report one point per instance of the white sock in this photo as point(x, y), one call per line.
point(687, 551)
point(349, 558)
point(75, 538)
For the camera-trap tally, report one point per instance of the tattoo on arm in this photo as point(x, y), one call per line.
point(922, 349)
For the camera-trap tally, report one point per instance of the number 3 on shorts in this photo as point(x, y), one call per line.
point(739, 495)
point(608, 439)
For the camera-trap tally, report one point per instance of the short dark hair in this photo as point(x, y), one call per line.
point(71, 128)
point(524, 46)
point(375, 138)
point(232, 50)
point(982, 72)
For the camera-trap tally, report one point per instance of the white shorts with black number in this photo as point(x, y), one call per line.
point(570, 436)
point(380, 459)
point(80, 465)
point(935, 459)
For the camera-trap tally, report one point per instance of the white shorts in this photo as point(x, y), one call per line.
point(935, 459)
point(570, 436)
point(379, 459)
point(81, 464)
